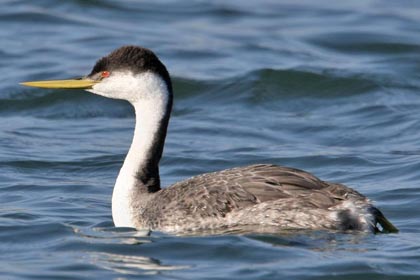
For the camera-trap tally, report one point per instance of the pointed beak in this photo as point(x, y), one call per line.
point(82, 83)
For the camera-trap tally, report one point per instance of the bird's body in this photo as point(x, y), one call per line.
point(255, 196)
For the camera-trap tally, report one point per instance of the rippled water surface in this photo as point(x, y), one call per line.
point(331, 87)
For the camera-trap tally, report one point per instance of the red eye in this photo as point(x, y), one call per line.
point(105, 74)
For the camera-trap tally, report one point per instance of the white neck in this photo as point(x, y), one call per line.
point(129, 192)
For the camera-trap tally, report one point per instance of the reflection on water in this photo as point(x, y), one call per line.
point(126, 259)
point(112, 234)
point(129, 264)
point(322, 241)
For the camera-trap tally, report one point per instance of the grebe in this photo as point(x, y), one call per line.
point(260, 195)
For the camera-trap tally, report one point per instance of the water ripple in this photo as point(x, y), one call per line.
point(331, 88)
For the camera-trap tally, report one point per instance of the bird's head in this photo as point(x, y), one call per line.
point(130, 73)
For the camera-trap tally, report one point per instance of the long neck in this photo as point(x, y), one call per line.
point(139, 175)
point(142, 161)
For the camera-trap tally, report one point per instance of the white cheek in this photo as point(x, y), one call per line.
point(118, 86)
point(130, 87)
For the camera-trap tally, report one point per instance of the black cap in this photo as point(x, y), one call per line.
point(135, 59)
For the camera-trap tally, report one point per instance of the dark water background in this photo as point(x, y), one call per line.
point(331, 87)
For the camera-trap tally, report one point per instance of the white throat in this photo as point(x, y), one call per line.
point(149, 95)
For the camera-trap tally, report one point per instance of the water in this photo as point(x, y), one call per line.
point(324, 86)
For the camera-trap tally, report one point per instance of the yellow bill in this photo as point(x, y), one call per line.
point(68, 84)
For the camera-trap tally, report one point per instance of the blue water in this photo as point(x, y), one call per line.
point(326, 86)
